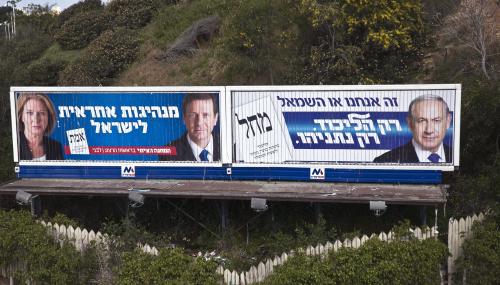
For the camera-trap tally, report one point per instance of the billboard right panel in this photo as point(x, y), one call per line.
point(410, 125)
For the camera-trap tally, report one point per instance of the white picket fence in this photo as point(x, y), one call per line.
point(265, 268)
point(458, 232)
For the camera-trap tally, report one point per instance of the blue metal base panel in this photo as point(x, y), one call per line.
point(238, 173)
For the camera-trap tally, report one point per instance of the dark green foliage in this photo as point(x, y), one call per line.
point(376, 262)
point(171, 266)
point(103, 59)
point(480, 260)
point(78, 31)
point(475, 187)
point(263, 38)
point(26, 243)
point(78, 8)
point(40, 73)
point(363, 42)
point(39, 16)
point(131, 14)
point(242, 256)
point(6, 161)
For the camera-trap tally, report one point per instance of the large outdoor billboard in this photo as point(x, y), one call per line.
point(105, 125)
point(363, 133)
point(389, 126)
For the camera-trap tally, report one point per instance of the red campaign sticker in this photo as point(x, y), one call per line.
point(139, 150)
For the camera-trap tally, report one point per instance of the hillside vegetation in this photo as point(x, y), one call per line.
point(270, 42)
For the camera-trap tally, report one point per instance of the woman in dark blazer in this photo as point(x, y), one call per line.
point(36, 116)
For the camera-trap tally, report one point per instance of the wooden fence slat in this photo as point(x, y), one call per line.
point(235, 278)
point(269, 267)
point(91, 236)
point(254, 274)
point(248, 277)
point(356, 242)
point(284, 257)
point(309, 250)
point(382, 236)
point(227, 276)
point(390, 236)
point(347, 243)
point(417, 232)
point(468, 226)
point(261, 268)
point(61, 230)
point(364, 239)
point(242, 279)
point(277, 261)
point(321, 250)
point(328, 246)
point(337, 245)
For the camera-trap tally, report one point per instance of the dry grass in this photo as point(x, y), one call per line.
point(202, 68)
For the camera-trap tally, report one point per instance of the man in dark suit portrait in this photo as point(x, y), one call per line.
point(198, 143)
point(428, 118)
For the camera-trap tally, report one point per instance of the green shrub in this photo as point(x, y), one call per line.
point(171, 266)
point(6, 160)
point(40, 73)
point(78, 31)
point(103, 59)
point(27, 244)
point(376, 262)
point(78, 8)
point(131, 14)
point(480, 260)
point(263, 39)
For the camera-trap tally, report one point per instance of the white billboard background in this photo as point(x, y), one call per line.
point(357, 103)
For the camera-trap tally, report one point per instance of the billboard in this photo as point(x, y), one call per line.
point(402, 126)
point(365, 133)
point(103, 125)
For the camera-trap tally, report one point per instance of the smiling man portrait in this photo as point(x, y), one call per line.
point(198, 143)
point(428, 119)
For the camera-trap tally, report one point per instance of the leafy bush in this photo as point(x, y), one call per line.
point(40, 73)
point(103, 59)
point(171, 266)
point(376, 262)
point(131, 14)
point(480, 260)
point(78, 8)
point(38, 257)
point(262, 38)
point(81, 29)
point(6, 160)
point(475, 187)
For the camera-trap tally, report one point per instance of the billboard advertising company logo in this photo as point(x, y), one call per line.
point(128, 171)
point(317, 173)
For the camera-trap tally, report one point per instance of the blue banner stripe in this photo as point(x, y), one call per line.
point(238, 173)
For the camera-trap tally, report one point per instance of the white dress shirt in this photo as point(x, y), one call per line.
point(197, 150)
point(423, 155)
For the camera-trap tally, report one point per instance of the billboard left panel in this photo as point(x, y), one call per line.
point(100, 125)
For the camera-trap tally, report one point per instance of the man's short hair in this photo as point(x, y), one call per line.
point(190, 97)
point(427, 97)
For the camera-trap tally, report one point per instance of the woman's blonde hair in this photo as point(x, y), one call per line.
point(25, 97)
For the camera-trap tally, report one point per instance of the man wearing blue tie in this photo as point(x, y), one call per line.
point(199, 113)
point(428, 118)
